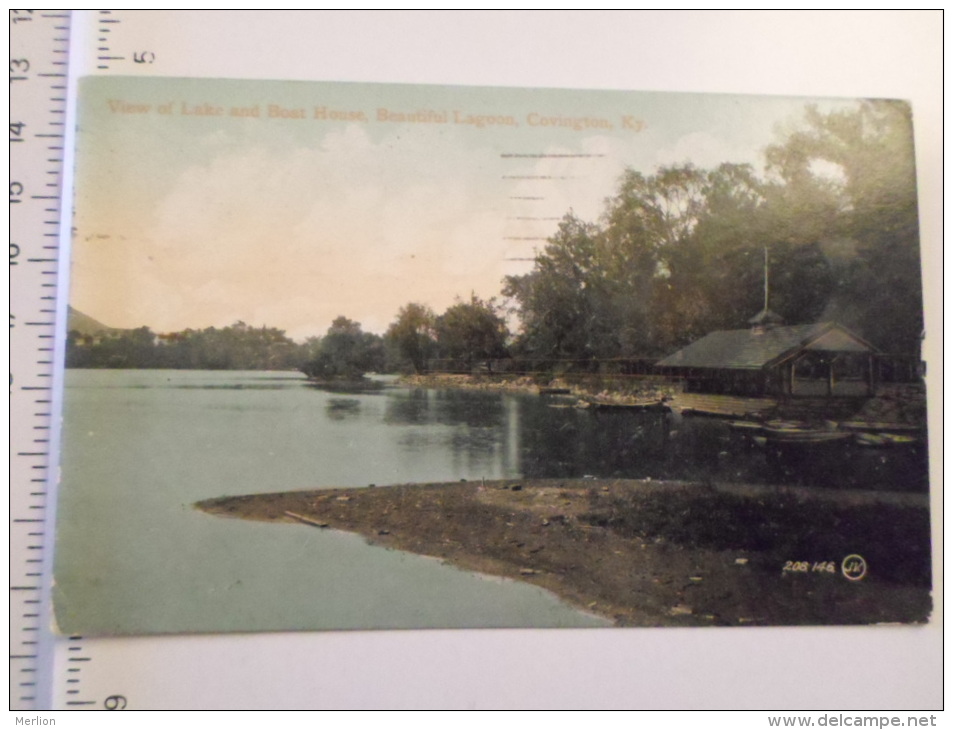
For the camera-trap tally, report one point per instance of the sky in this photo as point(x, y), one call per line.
point(286, 204)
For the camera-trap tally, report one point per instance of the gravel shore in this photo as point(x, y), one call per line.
point(644, 553)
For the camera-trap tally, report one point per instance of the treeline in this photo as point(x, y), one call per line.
point(237, 347)
point(467, 334)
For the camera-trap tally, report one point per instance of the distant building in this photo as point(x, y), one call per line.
point(770, 359)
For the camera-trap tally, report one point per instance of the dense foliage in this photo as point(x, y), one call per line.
point(679, 253)
point(345, 352)
point(472, 332)
point(413, 335)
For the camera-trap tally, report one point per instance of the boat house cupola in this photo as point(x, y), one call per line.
point(770, 358)
point(764, 321)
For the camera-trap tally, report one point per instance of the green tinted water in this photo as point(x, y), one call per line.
point(140, 447)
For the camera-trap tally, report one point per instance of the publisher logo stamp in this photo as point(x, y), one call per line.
point(854, 567)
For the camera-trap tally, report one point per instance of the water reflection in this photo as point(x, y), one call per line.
point(445, 407)
point(529, 437)
point(475, 429)
point(338, 409)
point(363, 387)
point(525, 435)
point(412, 407)
point(210, 386)
point(902, 468)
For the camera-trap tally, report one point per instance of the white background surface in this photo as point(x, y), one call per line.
point(846, 53)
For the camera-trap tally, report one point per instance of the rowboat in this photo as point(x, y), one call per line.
point(801, 435)
point(645, 405)
point(748, 427)
point(884, 439)
point(878, 427)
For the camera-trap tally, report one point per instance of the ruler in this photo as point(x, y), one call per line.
point(39, 45)
point(46, 671)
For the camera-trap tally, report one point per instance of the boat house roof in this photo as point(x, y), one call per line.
point(754, 349)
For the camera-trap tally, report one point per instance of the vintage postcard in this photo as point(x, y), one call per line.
point(359, 356)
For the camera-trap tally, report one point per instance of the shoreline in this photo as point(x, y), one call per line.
point(631, 552)
point(599, 389)
point(894, 405)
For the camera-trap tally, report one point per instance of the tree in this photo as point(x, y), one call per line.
point(412, 333)
point(472, 331)
point(848, 177)
point(557, 301)
point(346, 352)
point(650, 225)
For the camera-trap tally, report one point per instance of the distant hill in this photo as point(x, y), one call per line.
point(84, 324)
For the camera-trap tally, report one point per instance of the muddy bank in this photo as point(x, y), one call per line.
point(645, 553)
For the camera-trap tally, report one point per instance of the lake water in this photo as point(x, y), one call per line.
point(140, 447)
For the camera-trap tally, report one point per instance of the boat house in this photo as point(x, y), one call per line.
point(769, 359)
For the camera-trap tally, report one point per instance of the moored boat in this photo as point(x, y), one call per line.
point(801, 435)
point(884, 439)
point(881, 427)
point(749, 427)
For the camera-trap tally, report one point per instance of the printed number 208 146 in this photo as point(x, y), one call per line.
point(803, 566)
